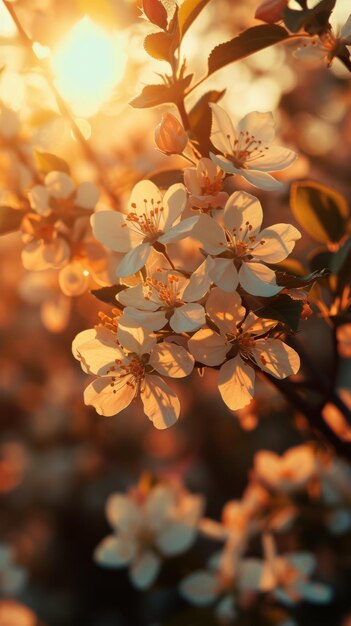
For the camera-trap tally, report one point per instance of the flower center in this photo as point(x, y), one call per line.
point(246, 149)
point(133, 370)
point(211, 188)
point(148, 221)
point(166, 292)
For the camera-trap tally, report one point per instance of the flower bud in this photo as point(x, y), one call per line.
point(170, 136)
point(271, 11)
point(155, 12)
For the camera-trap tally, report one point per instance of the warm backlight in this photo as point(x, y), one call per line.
point(88, 64)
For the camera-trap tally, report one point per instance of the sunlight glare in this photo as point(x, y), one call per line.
point(7, 25)
point(88, 64)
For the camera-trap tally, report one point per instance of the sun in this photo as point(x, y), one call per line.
point(87, 65)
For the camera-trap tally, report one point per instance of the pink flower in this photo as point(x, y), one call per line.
point(204, 184)
point(170, 136)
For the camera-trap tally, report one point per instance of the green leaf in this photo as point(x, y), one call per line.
point(314, 21)
point(153, 95)
point(283, 309)
point(338, 263)
point(250, 41)
point(47, 162)
point(188, 12)
point(320, 210)
point(10, 219)
point(108, 294)
point(294, 282)
point(200, 120)
point(159, 45)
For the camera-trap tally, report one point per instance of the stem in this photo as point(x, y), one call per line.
point(313, 415)
point(64, 109)
point(164, 252)
point(183, 114)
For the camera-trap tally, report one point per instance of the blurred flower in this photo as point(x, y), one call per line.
point(125, 366)
point(248, 152)
point(170, 136)
point(244, 343)
point(204, 184)
point(148, 528)
point(240, 243)
point(12, 576)
point(15, 614)
point(288, 473)
point(327, 46)
point(343, 334)
point(287, 576)
point(153, 220)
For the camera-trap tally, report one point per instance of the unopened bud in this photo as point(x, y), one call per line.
point(271, 11)
point(155, 12)
point(170, 136)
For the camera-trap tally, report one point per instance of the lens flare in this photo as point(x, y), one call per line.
point(87, 65)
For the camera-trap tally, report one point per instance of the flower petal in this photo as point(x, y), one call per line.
point(224, 274)
point(243, 214)
point(236, 382)
point(225, 164)
point(180, 231)
point(59, 184)
point(210, 234)
point(274, 159)
point(115, 552)
point(100, 394)
point(200, 588)
point(161, 403)
point(259, 125)
point(208, 347)
point(145, 569)
point(174, 203)
point(123, 513)
point(169, 359)
point(145, 195)
point(223, 134)
point(225, 310)
point(275, 357)
point(176, 538)
point(135, 297)
point(188, 317)
point(111, 229)
point(150, 320)
point(275, 243)
point(38, 198)
point(134, 260)
point(258, 279)
point(199, 282)
point(261, 179)
point(133, 337)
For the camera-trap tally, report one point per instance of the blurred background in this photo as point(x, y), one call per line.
point(59, 460)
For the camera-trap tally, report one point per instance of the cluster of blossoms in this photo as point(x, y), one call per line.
point(172, 319)
point(63, 257)
point(154, 523)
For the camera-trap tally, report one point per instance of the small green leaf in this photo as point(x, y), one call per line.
point(321, 210)
point(159, 45)
point(314, 21)
point(188, 12)
point(47, 162)
point(10, 219)
point(153, 95)
point(294, 282)
point(283, 309)
point(200, 120)
point(108, 294)
point(250, 41)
